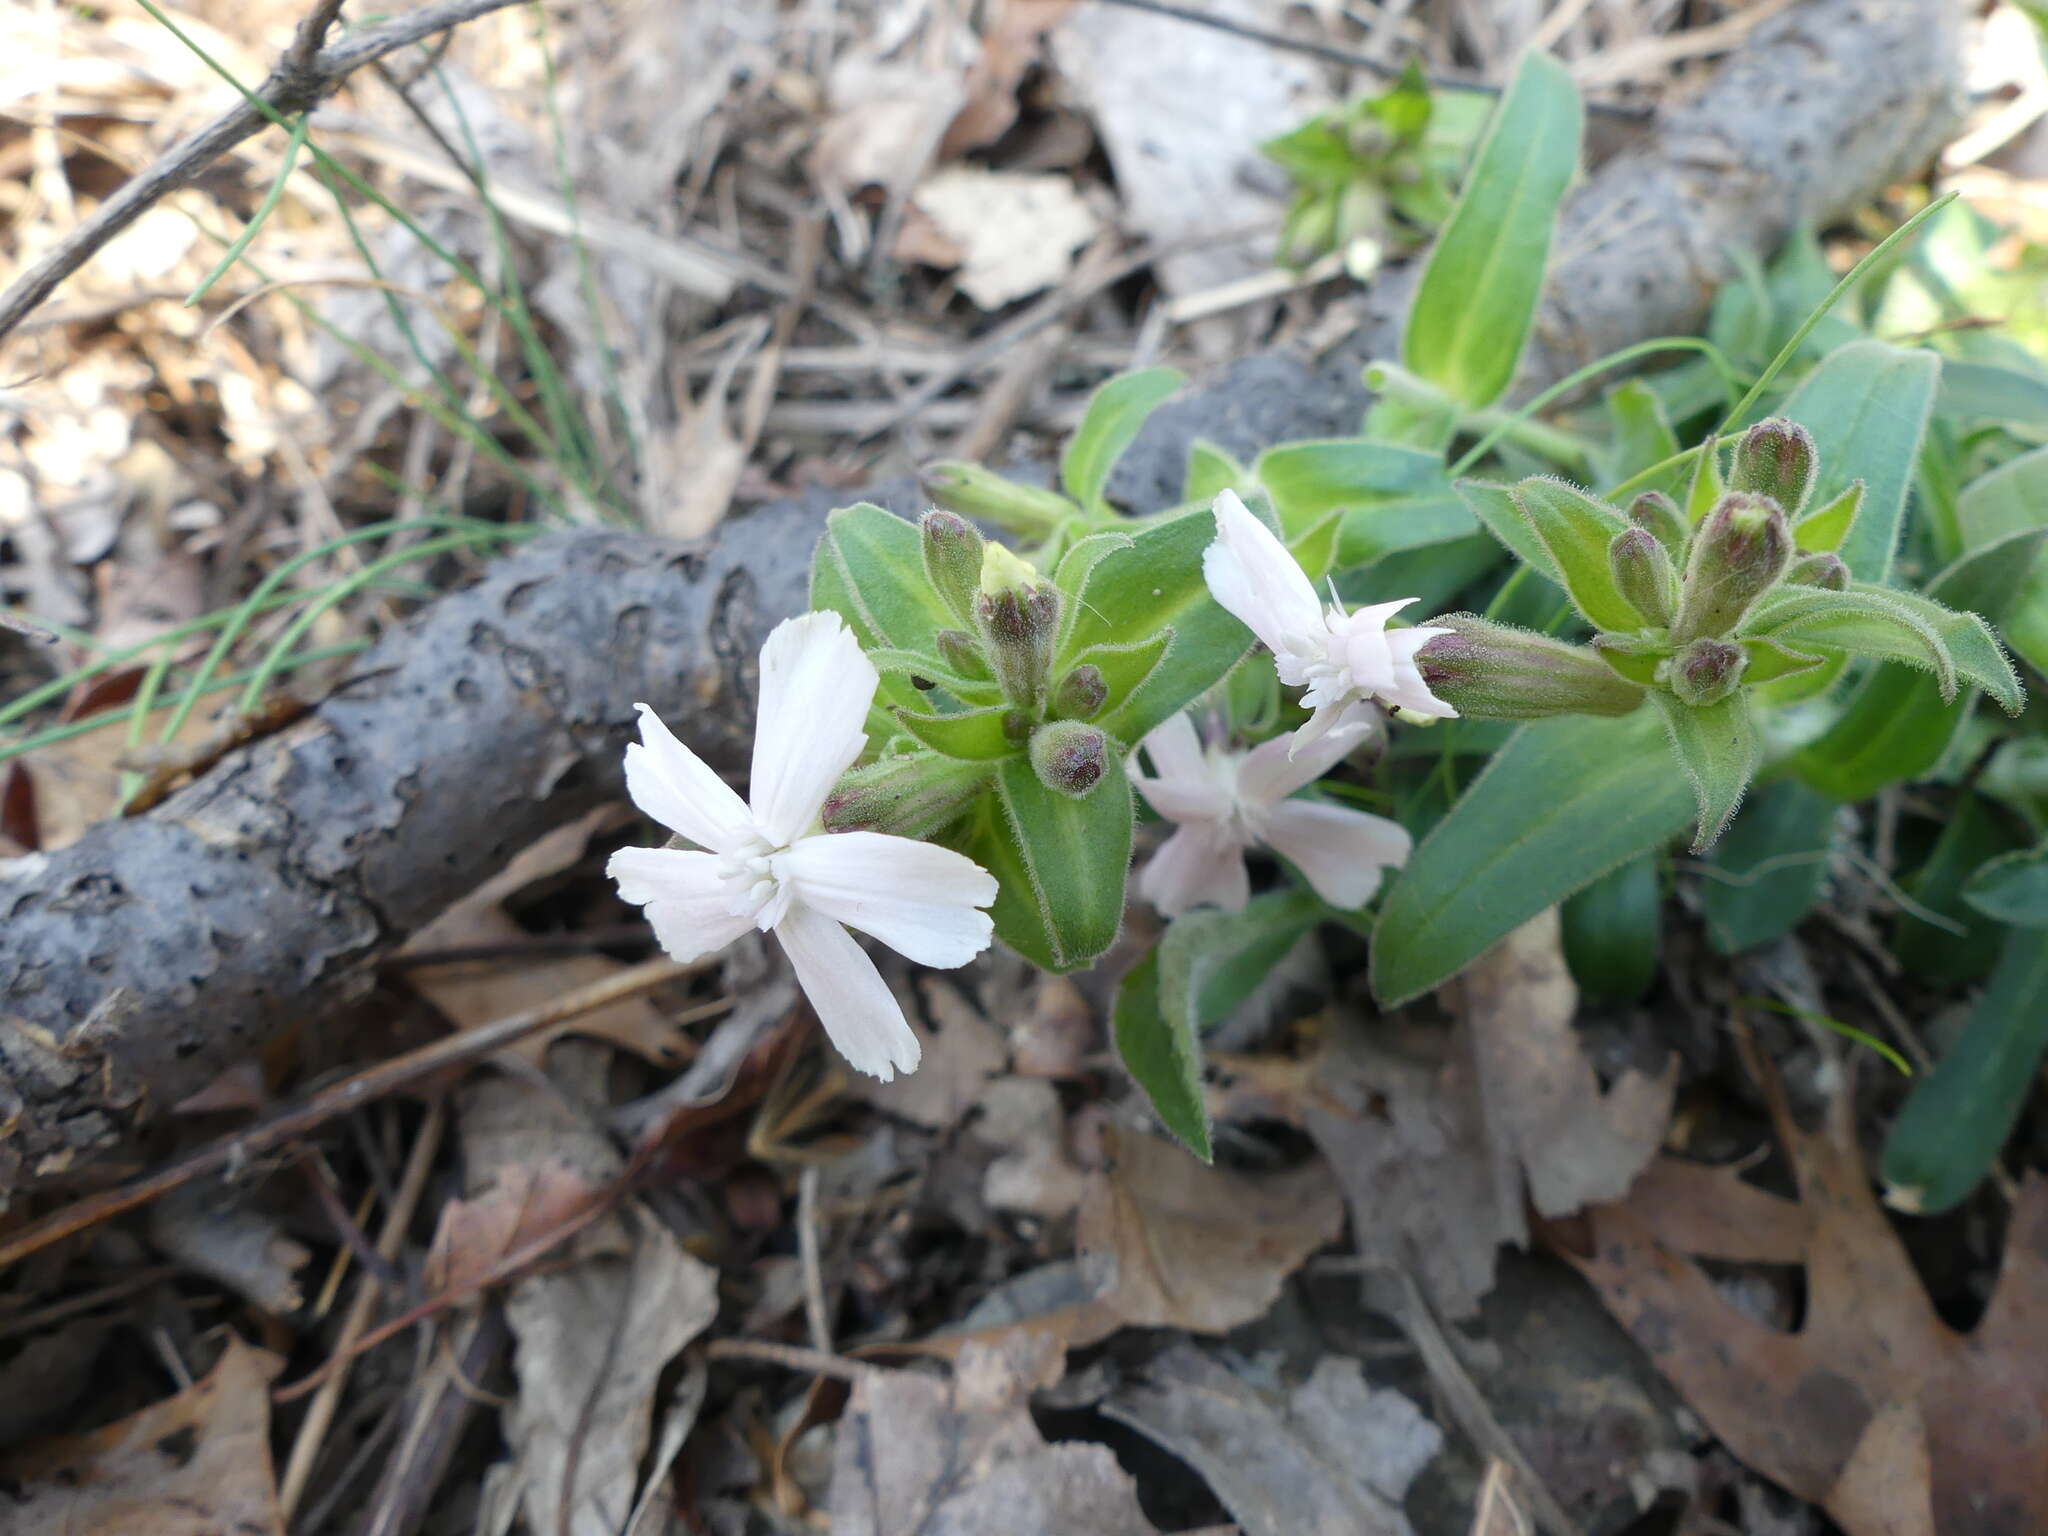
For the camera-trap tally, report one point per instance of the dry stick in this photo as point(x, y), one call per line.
point(240, 1148)
point(305, 73)
point(792, 1357)
point(320, 1413)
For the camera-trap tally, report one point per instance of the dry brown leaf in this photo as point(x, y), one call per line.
point(1333, 1458)
point(1023, 1116)
point(1186, 1245)
point(1874, 1386)
point(887, 120)
point(918, 1454)
point(197, 1464)
point(1016, 233)
point(1010, 47)
point(478, 993)
point(477, 1236)
point(216, 1230)
point(1543, 1105)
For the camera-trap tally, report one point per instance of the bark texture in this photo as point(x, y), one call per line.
point(140, 961)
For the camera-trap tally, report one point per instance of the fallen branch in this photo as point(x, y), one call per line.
point(154, 952)
point(303, 75)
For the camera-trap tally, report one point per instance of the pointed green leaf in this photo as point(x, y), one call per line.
point(1635, 657)
point(1769, 661)
point(1893, 729)
point(1576, 529)
point(1135, 594)
point(1118, 409)
point(1770, 870)
point(1163, 1054)
point(869, 569)
point(1988, 392)
point(1957, 1117)
point(1495, 506)
point(1478, 294)
point(1867, 406)
point(1642, 437)
point(2012, 498)
point(1979, 658)
point(1862, 621)
point(916, 664)
point(1562, 803)
point(1826, 528)
point(1716, 745)
point(973, 735)
point(1060, 863)
point(2013, 889)
point(1309, 480)
point(1210, 472)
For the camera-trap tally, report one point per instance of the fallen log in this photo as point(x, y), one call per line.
point(140, 961)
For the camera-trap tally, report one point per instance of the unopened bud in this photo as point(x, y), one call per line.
point(1706, 672)
point(1029, 511)
point(1081, 694)
point(1644, 575)
point(1737, 556)
point(910, 796)
point(1775, 458)
point(1493, 671)
point(1069, 757)
point(952, 559)
point(962, 653)
point(1017, 612)
point(1819, 571)
point(1659, 514)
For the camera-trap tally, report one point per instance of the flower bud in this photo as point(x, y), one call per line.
point(1775, 458)
point(952, 559)
point(1081, 694)
point(1495, 672)
point(1069, 757)
point(914, 795)
point(960, 651)
point(1819, 571)
point(1029, 511)
point(1706, 672)
point(1738, 554)
point(1659, 514)
point(1644, 575)
point(1017, 612)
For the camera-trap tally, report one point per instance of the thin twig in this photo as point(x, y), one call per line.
point(815, 1310)
point(373, 1083)
point(791, 1356)
point(303, 75)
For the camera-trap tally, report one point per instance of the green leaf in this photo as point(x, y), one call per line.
point(1769, 661)
point(1029, 511)
point(1826, 528)
point(1576, 529)
point(1317, 154)
point(973, 735)
point(1136, 593)
point(1973, 833)
point(1059, 863)
point(1642, 437)
point(1613, 930)
point(1478, 294)
point(1562, 803)
point(2011, 499)
point(1867, 406)
point(1716, 745)
point(1863, 621)
point(1115, 413)
point(1770, 869)
point(869, 569)
point(1211, 471)
point(1309, 480)
point(909, 664)
point(1894, 728)
point(1163, 1055)
point(2013, 888)
point(1979, 658)
point(1495, 506)
point(1986, 391)
point(1071, 574)
point(1124, 668)
point(1957, 1117)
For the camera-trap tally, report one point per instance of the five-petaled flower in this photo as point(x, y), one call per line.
point(766, 864)
point(1341, 659)
point(1225, 802)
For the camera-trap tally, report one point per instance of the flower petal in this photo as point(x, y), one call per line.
point(1339, 850)
point(1175, 748)
point(848, 994)
point(678, 789)
point(1200, 865)
point(683, 898)
point(921, 900)
point(816, 686)
point(1410, 691)
point(1275, 769)
point(1251, 574)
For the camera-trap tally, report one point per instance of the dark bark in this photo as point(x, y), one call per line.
point(153, 952)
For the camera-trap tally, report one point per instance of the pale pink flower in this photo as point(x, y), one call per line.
point(1226, 802)
point(767, 865)
point(1340, 658)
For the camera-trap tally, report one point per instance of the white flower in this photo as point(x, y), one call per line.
point(1226, 802)
point(768, 864)
point(1341, 658)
